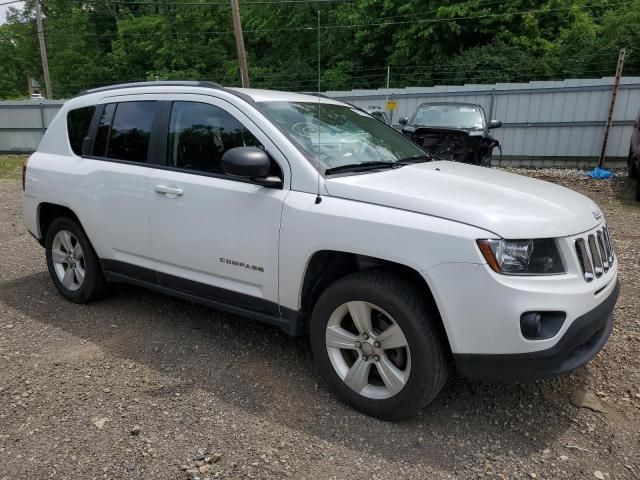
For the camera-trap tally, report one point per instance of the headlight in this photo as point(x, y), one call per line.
point(522, 257)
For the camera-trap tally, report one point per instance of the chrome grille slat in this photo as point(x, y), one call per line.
point(607, 239)
point(603, 251)
point(584, 259)
point(595, 256)
point(595, 253)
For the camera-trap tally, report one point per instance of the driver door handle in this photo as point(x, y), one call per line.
point(169, 190)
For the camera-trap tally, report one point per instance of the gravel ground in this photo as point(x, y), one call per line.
point(141, 385)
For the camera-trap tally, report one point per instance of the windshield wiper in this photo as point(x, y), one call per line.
point(360, 167)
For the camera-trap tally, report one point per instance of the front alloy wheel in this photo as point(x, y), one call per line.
point(368, 350)
point(376, 342)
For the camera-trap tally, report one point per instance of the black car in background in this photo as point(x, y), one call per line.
point(453, 131)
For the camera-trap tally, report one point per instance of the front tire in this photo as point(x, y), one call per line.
point(375, 342)
point(73, 265)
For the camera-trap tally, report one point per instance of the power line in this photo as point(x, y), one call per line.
point(10, 2)
point(354, 25)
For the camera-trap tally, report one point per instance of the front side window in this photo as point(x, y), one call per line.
point(78, 122)
point(339, 135)
point(452, 116)
point(199, 134)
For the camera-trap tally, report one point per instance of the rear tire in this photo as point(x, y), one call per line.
point(73, 265)
point(390, 369)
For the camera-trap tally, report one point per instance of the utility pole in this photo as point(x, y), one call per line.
point(388, 75)
point(242, 55)
point(43, 50)
point(614, 94)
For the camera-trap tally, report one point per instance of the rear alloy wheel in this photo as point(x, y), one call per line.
point(375, 342)
point(68, 260)
point(73, 265)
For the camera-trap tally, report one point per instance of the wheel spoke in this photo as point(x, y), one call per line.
point(77, 251)
point(391, 375)
point(358, 375)
point(58, 256)
point(361, 315)
point(338, 337)
point(392, 337)
point(79, 274)
point(68, 278)
point(65, 237)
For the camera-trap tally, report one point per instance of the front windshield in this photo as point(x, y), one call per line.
point(455, 116)
point(342, 135)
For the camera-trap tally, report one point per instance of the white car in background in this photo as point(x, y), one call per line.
point(309, 214)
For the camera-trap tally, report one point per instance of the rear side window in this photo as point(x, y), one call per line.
point(100, 147)
point(78, 122)
point(124, 131)
point(131, 130)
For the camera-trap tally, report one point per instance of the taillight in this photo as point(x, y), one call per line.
point(24, 172)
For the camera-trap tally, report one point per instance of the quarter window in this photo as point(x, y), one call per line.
point(199, 134)
point(78, 122)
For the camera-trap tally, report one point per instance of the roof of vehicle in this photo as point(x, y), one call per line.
point(462, 104)
point(251, 94)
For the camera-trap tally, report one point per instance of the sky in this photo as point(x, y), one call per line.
point(4, 8)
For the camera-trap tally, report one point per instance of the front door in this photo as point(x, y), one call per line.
point(212, 234)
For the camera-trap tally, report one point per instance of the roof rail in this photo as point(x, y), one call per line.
point(156, 83)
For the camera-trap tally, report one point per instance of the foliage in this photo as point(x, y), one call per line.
point(11, 166)
point(426, 42)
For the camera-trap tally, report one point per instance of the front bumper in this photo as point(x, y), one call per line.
point(584, 338)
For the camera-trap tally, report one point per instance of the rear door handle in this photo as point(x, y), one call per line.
point(169, 191)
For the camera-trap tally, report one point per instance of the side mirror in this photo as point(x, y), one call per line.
point(252, 163)
point(495, 124)
point(246, 162)
point(86, 146)
point(403, 120)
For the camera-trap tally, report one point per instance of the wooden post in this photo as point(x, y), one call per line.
point(614, 94)
point(43, 50)
point(242, 55)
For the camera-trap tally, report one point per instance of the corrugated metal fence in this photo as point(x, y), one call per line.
point(22, 123)
point(544, 123)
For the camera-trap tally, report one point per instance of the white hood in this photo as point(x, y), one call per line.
point(511, 206)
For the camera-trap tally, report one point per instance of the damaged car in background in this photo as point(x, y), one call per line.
point(453, 131)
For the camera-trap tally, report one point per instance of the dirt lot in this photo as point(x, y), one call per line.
point(76, 380)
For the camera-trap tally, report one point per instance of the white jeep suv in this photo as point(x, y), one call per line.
point(309, 214)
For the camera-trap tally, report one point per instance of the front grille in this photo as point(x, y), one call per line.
point(595, 254)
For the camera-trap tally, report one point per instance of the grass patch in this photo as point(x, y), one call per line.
point(11, 166)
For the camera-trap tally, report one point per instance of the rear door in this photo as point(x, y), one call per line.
point(118, 178)
point(215, 235)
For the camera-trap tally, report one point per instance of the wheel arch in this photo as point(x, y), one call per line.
point(47, 213)
point(327, 266)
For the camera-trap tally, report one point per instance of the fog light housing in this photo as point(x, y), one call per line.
point(541, 325)
point(531, 324)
